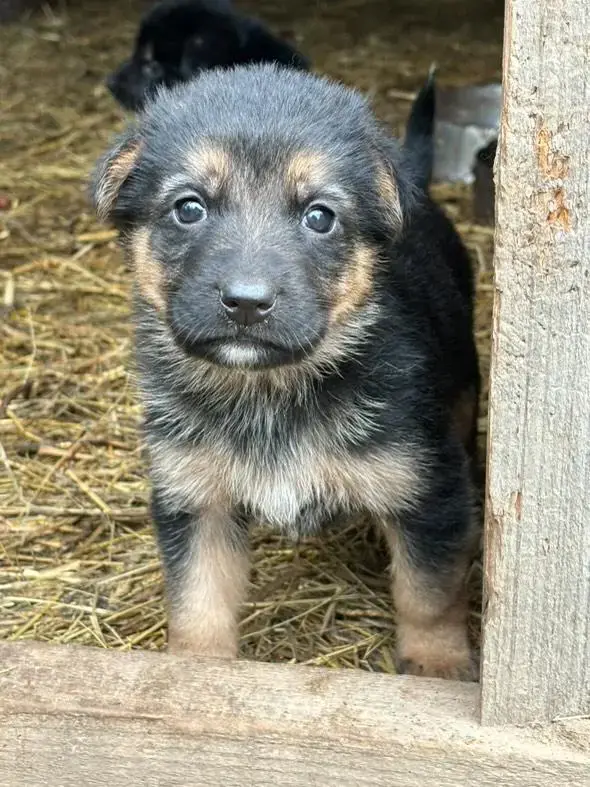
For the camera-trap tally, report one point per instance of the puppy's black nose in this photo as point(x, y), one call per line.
point(248, 303)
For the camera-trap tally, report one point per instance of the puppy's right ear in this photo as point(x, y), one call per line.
point(111, 172)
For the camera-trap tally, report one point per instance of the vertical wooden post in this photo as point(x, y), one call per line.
point(536, 649)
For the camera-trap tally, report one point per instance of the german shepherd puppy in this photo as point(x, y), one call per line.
point(304, 346)
point(179, 38)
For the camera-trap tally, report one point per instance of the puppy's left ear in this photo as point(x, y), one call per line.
point(111, 173)
point(394, 183)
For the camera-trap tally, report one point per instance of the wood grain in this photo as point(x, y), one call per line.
point(82, 716)
point(536, 650)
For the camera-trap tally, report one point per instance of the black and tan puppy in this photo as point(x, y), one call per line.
point(179, 38)
point(304, 346)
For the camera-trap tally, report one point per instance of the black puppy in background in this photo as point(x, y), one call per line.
point(179, 38)
point(304, 344)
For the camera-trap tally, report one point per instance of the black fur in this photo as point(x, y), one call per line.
point(384, 381)
point(179, 38)
point(420, 132)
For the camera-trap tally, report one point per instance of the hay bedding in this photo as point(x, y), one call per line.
point(77, 556)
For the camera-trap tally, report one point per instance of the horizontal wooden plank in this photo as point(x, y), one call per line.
point(72, 716)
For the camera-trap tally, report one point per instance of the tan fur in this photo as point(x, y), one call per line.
point(211, 164)
point(437, 649)
point(148, 271)
point(390, 195)
point(306, 170)
point(203, 614)
point(355, 287)
point(463, 415)
point(432, 637)
point(215, 476)
point(212, 479)
point(116, 173)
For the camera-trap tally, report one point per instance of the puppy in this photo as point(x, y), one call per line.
point(304, 347)
point(179, 38)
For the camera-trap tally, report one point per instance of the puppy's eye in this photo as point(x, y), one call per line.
point(319, 219)
point(189, 211)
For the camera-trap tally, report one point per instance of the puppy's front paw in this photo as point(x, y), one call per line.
point(214, 647)
point(465, 669)
point(440, 653)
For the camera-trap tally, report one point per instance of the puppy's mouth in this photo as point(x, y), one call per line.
point(242, 352)
point(247, 354)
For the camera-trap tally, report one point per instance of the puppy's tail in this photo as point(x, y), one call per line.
point(419, 139)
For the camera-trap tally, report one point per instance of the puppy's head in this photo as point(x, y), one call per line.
point(175, 41)
point(255, 205)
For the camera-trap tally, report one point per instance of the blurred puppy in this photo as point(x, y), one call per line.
point(179, 38)
point(304, 347)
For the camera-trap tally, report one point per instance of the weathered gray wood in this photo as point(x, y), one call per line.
point(536, 651)
point(82, 716)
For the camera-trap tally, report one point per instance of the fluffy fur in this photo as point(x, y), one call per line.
point(356, 394)
point(179, 38)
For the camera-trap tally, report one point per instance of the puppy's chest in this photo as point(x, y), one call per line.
point(294, 488)
point(276, 486)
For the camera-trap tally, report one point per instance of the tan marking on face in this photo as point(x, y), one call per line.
point(305, 166)
point(148, 271)
point(114, 177)
point(389, 193)
point(355, 287)
point(211, 164)
point(306, 171)
point(463, 414)
point(432, 636)
point(204, 605)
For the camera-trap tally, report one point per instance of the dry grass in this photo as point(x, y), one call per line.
point(77, 555)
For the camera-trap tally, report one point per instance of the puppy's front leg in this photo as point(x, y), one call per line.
point(205, 556)
point(432, 547)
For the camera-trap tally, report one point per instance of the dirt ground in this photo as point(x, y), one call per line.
point(77, 556)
